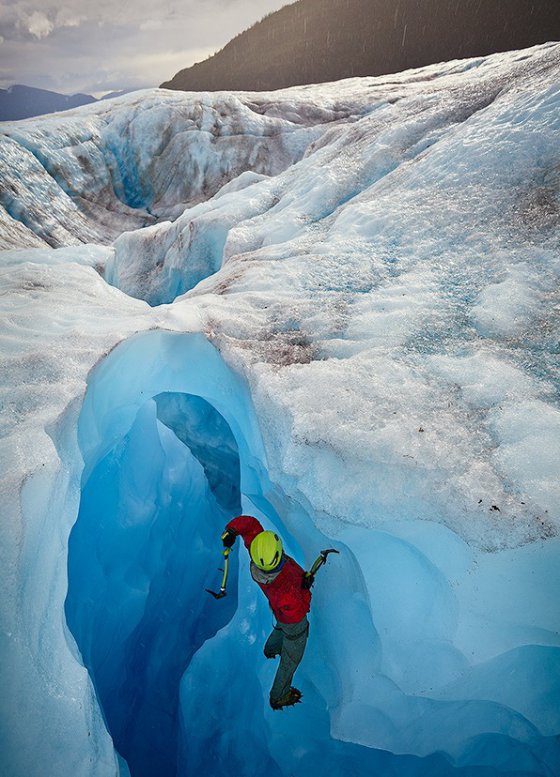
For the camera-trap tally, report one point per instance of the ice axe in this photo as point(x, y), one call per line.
point(319, 561)
point(222, 592)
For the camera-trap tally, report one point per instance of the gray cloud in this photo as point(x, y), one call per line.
point(101, 46)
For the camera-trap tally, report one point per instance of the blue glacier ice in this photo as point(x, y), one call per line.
point(335, 308)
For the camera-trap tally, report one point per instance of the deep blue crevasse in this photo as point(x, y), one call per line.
point(136, 601)
point(171, 450)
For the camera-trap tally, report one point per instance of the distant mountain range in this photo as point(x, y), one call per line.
point(22, 102)
point(313, 41)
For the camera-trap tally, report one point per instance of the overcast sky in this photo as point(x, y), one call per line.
point(97, 46)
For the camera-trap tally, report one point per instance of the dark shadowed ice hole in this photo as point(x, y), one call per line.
point(140, 556)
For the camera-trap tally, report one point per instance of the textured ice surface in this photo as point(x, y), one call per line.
point(364, 352)
point(93, 174)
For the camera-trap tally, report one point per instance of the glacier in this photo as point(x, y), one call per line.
point(334, 307)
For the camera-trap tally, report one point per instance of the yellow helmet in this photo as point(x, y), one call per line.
point(266, 550)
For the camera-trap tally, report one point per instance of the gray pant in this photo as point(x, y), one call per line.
point(287, 640)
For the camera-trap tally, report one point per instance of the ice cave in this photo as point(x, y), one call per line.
point(334, 308)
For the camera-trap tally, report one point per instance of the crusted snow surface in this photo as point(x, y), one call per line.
point(344, 298)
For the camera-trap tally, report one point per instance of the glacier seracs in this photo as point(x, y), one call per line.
point(334, 307)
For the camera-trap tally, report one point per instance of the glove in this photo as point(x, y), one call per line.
point(308, 580)
point(228, 538)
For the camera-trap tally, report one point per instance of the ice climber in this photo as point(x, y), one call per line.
point(287, 587)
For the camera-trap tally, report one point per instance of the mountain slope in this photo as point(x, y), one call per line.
point(313, 41)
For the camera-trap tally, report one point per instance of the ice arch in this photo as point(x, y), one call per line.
point(171, 447)
point(162, 475)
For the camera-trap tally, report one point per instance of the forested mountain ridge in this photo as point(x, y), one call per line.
point(314, 41)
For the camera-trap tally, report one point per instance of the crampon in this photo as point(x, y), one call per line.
point(288, 700)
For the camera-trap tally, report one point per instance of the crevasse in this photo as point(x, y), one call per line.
point(171, 449)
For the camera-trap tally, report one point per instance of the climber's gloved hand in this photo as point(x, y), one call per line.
point(228, 538)
point(308, 580)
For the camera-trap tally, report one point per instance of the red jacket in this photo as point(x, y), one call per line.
point(289, 602)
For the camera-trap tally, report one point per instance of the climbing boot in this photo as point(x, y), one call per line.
point(288, 700)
